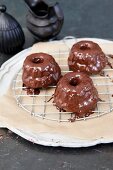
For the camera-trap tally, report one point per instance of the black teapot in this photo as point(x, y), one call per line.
point(11, 35)
point(44, 21)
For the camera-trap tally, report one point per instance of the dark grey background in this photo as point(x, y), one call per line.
point(83, 18)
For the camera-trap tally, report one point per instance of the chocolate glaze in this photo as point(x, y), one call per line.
point(76, 93)
point(40, 70)
point(87, 56)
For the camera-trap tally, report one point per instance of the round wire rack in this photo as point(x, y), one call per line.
point(41, 105)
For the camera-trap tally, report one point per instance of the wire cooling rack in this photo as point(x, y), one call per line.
point(40, 106)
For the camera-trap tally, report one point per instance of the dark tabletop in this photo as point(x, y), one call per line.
point(83, 18)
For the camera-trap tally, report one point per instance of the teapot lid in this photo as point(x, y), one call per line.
point(7, 22)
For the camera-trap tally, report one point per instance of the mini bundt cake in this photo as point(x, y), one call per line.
point(76, 93)
point(40, 70)
point(87, 56)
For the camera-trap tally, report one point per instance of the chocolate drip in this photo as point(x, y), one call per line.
point(50, 98)
point(31, 91)
point(110, 55)
point(99, 99)
point(109, 76)
point(102, 73)
point(72, 119)
point(110, 65)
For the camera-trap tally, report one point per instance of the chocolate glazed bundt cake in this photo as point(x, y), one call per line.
point(40, 70)
point(87, 56)
point(76, 93)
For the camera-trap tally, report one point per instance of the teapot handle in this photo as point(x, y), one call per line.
point(58, 11)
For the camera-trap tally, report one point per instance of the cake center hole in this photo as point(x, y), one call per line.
point(73, 82)
point(85, 46)
point(37, 60)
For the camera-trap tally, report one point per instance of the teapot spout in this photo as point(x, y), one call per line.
point(38, 8)
point(34, 3)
